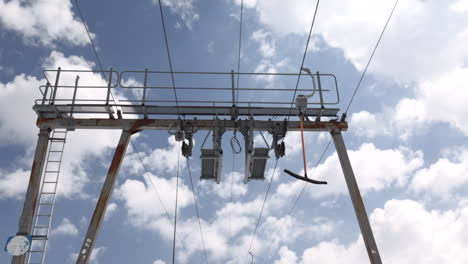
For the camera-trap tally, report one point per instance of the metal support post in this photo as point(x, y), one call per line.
point(356, 198)
point(106, 192)
point(26, 219)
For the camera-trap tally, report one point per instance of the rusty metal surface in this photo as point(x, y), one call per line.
point(47, 110)
point(26, 219)
point(106, 193)
point(164, 124)
point(358, 204)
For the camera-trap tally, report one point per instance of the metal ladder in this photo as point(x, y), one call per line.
point(46, 201)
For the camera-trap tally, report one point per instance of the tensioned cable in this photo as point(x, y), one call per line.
point(371, 57)
point(196, 208)
point(296, 200)
point(239, 53)
point(169, 56)
point(175, 209)
point(303, 60)
point(151, 183)
point(263, 205)
point(131, 141)
point(290, 110)
point(349, 104)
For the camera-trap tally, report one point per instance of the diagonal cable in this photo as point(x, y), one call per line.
point(349, 104)
point(175, 208)
point(196, 209)
point(371, 57)
point(239, 52)
point(303, 59)
point(263, 206)
point(169, 56)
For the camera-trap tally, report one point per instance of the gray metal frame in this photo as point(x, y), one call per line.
point(355, 194)
point(32, 193)
point(68, 113)
point(101, 205)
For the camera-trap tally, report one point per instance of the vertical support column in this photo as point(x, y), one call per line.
point(26, 219)
point(106, 192)
point(356, 198)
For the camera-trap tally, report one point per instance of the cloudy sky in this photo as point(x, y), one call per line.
point(407, 136)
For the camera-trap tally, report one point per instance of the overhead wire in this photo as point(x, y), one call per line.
point(175, 209)
point(196, 208)
point(263, 206)
point(239, 51)
point(169, 56)
point(290, 110)
point(347, 108)
point(99, 62)
point(303, 59)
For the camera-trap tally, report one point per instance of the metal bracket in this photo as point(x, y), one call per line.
point(278, 131)
point(212, 159)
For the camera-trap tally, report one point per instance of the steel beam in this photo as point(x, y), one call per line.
point(165, 124)
point(51, 110)
point(356, 198)
point(106, 192)
point(26, 219)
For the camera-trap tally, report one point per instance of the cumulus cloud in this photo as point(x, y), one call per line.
point(13, 184)
point(17, 126)
point(401, 230)
point(44, 22)
point(185, 9)
point(65, 228)
point(374, 168)
point(443, 177)
point(418, 28)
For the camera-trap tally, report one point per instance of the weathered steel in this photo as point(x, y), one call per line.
point(49, 111)
point(101, 205)
point(26, 219)
point(165, 124)
point(356, 198)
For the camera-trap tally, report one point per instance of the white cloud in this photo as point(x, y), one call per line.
point(438, 99)
point(374, 168)
point(143, 206)
point(418, 28)
point(403, 230)
point(365, 124)
point(110, 210)
point(44, 22)
point(286, 256)
point(65, 228)
point(267, 46)
point(443, 177)
point(17, 126)
point(164, 160)
point(224, 189)
point(13, 185)
point(159, 262)
point(184, 9)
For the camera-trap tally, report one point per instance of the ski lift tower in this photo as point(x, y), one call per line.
point(78, 99)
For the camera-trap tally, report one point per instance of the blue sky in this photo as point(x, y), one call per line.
point(406, 141)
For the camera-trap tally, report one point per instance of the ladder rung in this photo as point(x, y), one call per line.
point(47, 193)
point(41, 227)
point(57, 139)
point(49, 182)
point(48, 215)
point(55, 151)
point(52, 171)
point(36, 251)
point(46, 204)
point(54, 161)
point(39, 237)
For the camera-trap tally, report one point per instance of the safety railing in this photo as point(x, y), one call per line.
point(155, 88)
